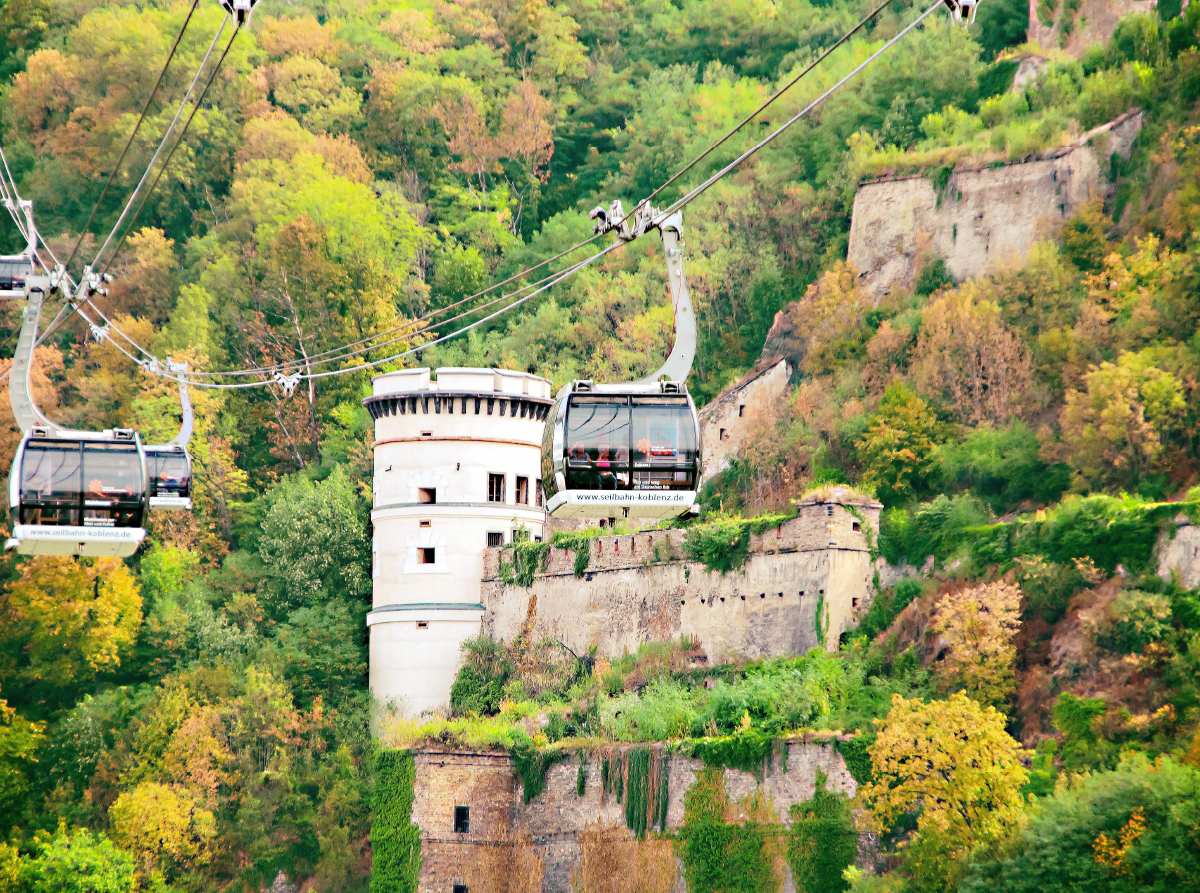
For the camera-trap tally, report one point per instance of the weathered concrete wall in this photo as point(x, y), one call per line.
point(557, 816)
point(1179, 555)
point(1093, 22)
point(984, 218)
point(638, 589)
point(725, 421)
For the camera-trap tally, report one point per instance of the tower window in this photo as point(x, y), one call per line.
point(427, 434)
point(426, 555)
point(856, 526)
point(495, 488)
point(427, 495)
point(523, 490)
point(722, 435)
point(459, 888)
point(495, 538)
point(741, 410)
point(425, 522)
point(462, 820)
point(422, 624)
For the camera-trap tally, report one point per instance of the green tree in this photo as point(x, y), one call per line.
point(314, 543)
point(1133, 828)
point(897, 452)
point(77, 862)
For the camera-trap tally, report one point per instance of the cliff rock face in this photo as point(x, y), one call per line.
point(982, 218)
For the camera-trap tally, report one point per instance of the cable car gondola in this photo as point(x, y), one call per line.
point(633, 449)
point(169, 471)
point(169, 465)
point(78, 493)
point(69, 492)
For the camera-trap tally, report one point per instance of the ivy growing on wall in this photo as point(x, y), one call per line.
point(646, 795)
point(395, 840)
point(522, 561)
point(724, 544)
point(822, 841)
point(718, 855)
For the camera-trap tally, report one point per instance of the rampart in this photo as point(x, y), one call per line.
point(640, 588)
point(487, 785)
point(982, 218)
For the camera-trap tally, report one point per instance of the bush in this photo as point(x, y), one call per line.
point(940, 528)
point(1133, 828)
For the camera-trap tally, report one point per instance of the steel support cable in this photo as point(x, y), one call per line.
point(678, 204)
point(703, 187)
point(342, 352)
point(754, 114)
point(554, 280)
point(433, 314)
point(167, 134)
point(129, 142)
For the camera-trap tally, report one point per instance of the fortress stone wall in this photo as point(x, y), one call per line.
point(487, 784)
point(983, 218)
point(639, 588)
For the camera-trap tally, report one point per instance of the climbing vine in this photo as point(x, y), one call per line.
point(718, 855)
point(822, 841)
point(395, 840)
point(868, 531)
point(821, 620)
point(724, 544)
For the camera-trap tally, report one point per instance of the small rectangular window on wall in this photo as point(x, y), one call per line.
point(495, 538)
point(462, 820)
point(459, 888)
point(427, 495)
point(426, 555)
point(522, 490)
point(495, 488)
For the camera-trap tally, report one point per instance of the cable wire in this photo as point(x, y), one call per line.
point(750, 117)
point(548, 281)
point(133, 196)
point(142, 117)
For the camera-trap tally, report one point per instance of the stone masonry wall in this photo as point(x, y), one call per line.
point(983, 218)
point(558, 815)
point(639, 589)
point(725, 421)
point(485, 783)
point(1179, 555)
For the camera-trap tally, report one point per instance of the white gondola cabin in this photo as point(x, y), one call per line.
point(78, 493)
point(169, 469)
point(621, 450)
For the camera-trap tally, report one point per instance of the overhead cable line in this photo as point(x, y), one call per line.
point(137, 191)
point(129, 142)
point(554, 279)
point(703, 187)
point(774, 96)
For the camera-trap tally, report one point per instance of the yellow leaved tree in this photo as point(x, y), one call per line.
point(163, 828)
point(953, 765)
point(74, 619)
point(977, 625)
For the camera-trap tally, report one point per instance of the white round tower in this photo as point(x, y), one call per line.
point(457, 469)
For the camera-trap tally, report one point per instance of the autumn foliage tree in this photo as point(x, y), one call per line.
point(897, 452)
point(79, 618)
point(977, 626)
point(953, 765)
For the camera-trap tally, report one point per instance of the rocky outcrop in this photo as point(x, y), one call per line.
point(1179, 554)
point(1075, 28)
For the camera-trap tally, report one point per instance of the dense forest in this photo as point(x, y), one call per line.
point(197, 717)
